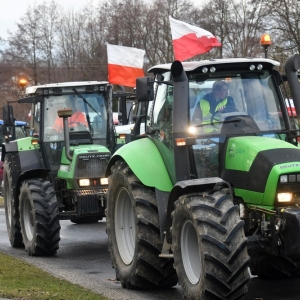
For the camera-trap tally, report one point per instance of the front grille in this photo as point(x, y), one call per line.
point(87, 203)
point(90, 167)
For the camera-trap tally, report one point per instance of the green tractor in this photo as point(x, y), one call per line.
point(197, 200)
point(58, 172)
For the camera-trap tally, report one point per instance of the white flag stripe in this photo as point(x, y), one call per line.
point(125, 56)
point(180, 29)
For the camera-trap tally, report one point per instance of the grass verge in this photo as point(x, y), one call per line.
point(20, 280)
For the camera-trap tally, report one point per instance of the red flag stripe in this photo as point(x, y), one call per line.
point(123, 75)
point(189, 40)
point(189, 45)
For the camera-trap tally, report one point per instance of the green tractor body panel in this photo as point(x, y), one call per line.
point(241, 155)
point(68, 168)
point(241, 151)
point(25, 144)
point(147, 164)
point(27, 155)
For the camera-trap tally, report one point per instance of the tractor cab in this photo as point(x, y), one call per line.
point(87, 125)
point(246, 104)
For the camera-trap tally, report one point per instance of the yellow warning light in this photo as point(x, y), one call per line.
point(23, 82)
point(265, 40)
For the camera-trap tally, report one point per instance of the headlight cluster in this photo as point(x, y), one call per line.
point(284, 197)
point(289, 178)
point(92, 182)
point(288, 189)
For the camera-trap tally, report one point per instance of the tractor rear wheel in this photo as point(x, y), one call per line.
point(39, 217)
point(266, 266)
point(209, 246)
point(11, 208)
point(134, 236)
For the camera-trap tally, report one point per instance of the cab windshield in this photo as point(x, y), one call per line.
point(233, 103)
point(89, 114)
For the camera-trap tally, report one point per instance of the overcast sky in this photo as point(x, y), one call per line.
point(12, 10)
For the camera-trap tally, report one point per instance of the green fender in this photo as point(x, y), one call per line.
point(145, 161)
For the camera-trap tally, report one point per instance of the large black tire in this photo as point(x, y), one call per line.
point(11, 208)
point(210, 247)
point(134, 234)
point(266, 266)
point(39, 217)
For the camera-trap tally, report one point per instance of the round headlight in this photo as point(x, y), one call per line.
point(259, 67)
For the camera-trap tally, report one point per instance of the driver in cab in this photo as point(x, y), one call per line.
point(77, 119)
point(215, 101)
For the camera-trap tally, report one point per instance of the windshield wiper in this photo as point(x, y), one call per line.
point(85, 101)
point(219, 122)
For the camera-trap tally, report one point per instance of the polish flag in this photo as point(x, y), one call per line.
point(189, 40)
point(125, 64)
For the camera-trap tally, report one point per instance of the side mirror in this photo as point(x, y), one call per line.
point(8, 115)
point(144, 89)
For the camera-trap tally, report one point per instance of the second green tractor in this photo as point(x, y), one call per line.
point(198, 203)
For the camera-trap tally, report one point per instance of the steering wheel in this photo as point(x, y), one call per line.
point(271, 123)
point(214, 118)
point(52, 135)
point(229, 109)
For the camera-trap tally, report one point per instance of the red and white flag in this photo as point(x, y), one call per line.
point(189, 40)
point(125, 64)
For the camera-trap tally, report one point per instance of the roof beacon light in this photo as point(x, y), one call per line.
point(265, 40)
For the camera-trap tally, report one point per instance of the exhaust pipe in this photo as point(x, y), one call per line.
point(291, 71)
point(180, 120)
point(65, 114)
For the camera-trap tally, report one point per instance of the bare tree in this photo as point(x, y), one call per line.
point(48, 27)
point(24, 44)
point(70, 34)
point(158, 39)
point(283, 21)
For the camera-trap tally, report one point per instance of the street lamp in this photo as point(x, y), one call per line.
point(265, 41)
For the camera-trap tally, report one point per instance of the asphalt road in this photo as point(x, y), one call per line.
point(83, 259)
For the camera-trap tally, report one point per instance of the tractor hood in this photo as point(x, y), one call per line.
point(252, 162)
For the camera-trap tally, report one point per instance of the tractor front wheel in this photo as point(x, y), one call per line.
point(39, 217)
point(209, 246)
point(134, 236)
point(11, 208)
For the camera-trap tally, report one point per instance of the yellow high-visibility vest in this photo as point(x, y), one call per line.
point(206, 115)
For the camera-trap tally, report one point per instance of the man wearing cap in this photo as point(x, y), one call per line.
point(216, 100)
